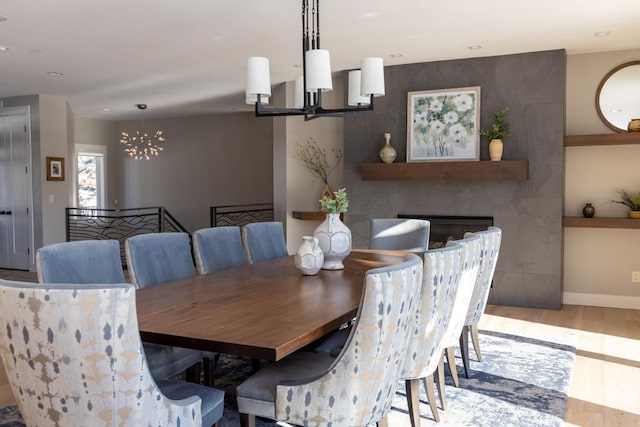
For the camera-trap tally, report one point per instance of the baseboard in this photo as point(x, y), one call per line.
point(599, 300)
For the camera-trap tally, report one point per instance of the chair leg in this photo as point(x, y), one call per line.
point(451, 361)
point(413, 400)
point(464, 349)
point(247, 420)
point(476, 341)
point(384, 422)
point(431, 397)
point(209, 367)
point(192, 375)
point(440, 383)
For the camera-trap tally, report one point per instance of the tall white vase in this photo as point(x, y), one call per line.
point(334, 239)
point(309, 258)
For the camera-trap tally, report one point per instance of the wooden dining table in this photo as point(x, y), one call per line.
point(265, 310)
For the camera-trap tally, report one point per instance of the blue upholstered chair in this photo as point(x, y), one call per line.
point(85, 261)
point(156, 258)
point(98, 262)
point(217, 248)
point(402, 234)
point(73, 357)
point(263, 241)
point(491, 239)
point(472, 248)
point(439, 288)
point(357, 387)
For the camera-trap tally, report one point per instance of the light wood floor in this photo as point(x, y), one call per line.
point(605, 385)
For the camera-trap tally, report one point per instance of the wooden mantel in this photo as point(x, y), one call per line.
point(506, 170)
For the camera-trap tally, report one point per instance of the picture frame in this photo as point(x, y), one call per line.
point(443, 125)
point(55, 168)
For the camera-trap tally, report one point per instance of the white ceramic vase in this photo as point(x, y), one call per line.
point(335, 241)
point(309, 258)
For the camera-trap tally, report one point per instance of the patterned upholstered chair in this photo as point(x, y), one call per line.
point(263, 241)
point(156, 258)
point(98, 262)
point(491, 239)
point(472, 248)
point(73, 357)
point(217, 248)
point(439, 288)
point(357, 387)
point(400, 234)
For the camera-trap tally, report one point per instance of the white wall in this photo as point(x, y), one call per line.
point(56, 123)
point(598, 262)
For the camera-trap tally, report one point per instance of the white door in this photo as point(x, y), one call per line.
point(15, 189)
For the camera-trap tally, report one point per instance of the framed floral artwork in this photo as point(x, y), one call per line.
point(55, 168)
point(443, 124)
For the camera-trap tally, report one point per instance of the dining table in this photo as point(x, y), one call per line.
point(266, 310)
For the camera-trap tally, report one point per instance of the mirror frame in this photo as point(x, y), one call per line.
point(601, 85)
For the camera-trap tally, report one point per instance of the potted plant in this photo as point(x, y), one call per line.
point(630, 200)
point(498, 131)
point(333, 236)
point(316, 160)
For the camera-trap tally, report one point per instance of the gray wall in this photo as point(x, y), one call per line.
point(532, 85)
point(220, 159)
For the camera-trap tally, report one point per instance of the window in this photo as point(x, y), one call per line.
point(90, 176)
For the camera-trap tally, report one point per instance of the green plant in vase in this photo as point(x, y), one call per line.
point(336, 205)
point(496, 133)
point(630, 200)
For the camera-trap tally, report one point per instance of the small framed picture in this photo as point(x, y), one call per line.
point(443, 124)
point(55, 168)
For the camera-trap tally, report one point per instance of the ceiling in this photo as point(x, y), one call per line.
point(189, 57)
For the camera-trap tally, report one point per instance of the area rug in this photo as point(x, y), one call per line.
point(521, 382)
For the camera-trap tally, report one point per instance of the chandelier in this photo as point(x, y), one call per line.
point(364, 84)
point(141, 145)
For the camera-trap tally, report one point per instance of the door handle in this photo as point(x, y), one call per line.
point(7, 212)
point(2, 212)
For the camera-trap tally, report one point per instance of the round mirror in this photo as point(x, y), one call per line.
point(618, 96)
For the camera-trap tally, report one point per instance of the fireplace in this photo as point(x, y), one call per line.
point(451, 227)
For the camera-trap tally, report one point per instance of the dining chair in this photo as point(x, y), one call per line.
point(357, 387)
point(403, 234)
point(73, 357)
point(263, 241)
point(156, 258)
point(424, 352)
point(217, 248)
point(491, 239)
point(99, 262)
point(472, 248)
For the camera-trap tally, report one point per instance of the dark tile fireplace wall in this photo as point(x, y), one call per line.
point(443, 228)
point(532, 85)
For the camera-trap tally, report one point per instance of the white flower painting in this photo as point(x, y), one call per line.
point(443, 124)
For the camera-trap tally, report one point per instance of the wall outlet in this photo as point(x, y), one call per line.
point(635, 276)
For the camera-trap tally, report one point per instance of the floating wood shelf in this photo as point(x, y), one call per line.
point(602, 139)
point(506, 170)
point(600, 222)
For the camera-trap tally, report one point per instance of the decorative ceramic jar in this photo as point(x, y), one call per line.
point(335, 241)
point(495, 150)
point(387, 153)
point(588, 211)
point(309, 258)
point(634, 125)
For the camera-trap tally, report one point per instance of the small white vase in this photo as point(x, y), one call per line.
point(309, 258)
point(335, 241)
point(495, 150)
point(387, 153)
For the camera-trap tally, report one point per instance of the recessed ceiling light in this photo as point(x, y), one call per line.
point(55, 73)
point(3, 48)
point(396, 55)
point(602, 33)
point(474, 47)
point(106, 110)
